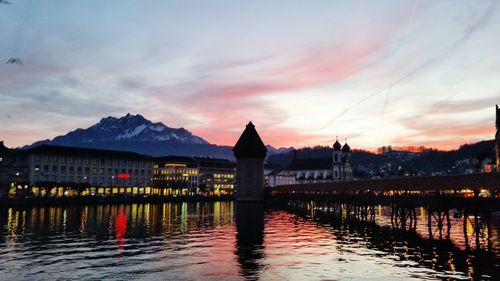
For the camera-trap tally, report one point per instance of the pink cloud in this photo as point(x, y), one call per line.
point(227, 106)
point(18, 138)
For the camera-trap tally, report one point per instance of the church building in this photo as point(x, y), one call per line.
point(321, 170)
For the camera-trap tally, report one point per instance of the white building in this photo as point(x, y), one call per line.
point(278, 178)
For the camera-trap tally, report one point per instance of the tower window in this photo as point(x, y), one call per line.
point(336, 157)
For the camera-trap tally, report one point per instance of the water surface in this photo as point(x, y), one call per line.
point(225, 241)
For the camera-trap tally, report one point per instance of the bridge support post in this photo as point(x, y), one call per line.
point(439, 216)
point(481, 226)
point(403, 217)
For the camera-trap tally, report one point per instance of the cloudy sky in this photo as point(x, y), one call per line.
point(374, 72)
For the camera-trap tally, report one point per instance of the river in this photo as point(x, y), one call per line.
point(226, 241)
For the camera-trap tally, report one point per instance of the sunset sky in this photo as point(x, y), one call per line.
point(374, 72)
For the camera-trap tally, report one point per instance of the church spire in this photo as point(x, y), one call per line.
point(337, 145)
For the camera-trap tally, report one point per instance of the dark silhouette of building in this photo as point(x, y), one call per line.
point(497, 138)
point(250, 152)
point(13, 171)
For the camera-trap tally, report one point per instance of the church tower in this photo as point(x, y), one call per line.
point(346, 163)
point(497, 138)
point(337, 161)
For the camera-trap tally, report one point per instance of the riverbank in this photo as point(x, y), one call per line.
point(89, 200)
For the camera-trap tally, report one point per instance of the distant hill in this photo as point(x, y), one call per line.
point(136, 133)
point(426, 161)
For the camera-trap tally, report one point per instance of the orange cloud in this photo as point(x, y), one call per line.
point(444, 134)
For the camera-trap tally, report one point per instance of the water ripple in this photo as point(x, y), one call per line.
point(217, 241)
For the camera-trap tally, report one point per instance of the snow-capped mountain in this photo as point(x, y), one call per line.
point(282, 150)
point(136, 133)
point(128, 128)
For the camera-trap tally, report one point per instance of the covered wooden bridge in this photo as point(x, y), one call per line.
point(474, 196)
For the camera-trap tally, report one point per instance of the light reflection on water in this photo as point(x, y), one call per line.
point(223, 241)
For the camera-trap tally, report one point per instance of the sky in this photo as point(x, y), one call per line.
point(376, 73)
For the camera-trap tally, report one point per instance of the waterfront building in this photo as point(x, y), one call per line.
point(320, 170)
point(311, 170)
point(497, 139)
point(5, 169)
point(216, 176)
point(176, 175)
point(274, 175)
point(68, 171)
point(280, 177)
point(12, 170)
point(180, 175)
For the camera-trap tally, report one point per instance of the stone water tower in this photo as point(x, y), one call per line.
point(250, 152)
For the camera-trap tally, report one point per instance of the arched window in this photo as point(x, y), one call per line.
point(336, 174)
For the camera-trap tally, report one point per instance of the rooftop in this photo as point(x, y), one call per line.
point(250, 145)
point(85, 152)
point(195, 161)
point(310, 164)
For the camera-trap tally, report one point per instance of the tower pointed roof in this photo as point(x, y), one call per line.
point(346, 148)
point(337, 145)
point(250, 145)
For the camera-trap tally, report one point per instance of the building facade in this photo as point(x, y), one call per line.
point(59, 171)
point(321, 170)
point(216, 176)
point(179, 175)
point(69, 171)
point(280, 177)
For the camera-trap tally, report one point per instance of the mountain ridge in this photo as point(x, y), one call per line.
point(138, 134)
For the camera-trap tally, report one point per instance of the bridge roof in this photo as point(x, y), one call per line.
point(490, 181)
